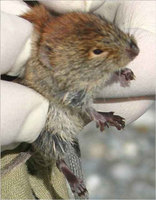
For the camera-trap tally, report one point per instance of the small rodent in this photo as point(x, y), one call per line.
point(73, 55)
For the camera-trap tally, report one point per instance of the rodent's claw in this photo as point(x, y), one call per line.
point(104, 119)
point(117, 121)
point(112, 120)
point(99, 119)
point(79, 188)
point(102, 125)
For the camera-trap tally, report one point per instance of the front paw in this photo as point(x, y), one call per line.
point(113, 120)
point(127, 74)
point(104, 119)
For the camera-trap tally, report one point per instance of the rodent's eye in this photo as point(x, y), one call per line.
point(97, 51)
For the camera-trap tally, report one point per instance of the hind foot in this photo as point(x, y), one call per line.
point(77, 186)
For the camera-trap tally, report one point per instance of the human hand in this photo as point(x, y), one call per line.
point(23, 111)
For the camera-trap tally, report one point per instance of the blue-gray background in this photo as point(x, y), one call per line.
point(120, 164)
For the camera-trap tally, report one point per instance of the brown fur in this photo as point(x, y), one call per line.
point(65, 45)
point(65, 69)
point(38, 15)
point(63, 63)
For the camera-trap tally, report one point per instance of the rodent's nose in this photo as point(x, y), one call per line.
point(133, 50)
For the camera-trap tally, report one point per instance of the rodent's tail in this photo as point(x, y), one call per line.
point(38, 15)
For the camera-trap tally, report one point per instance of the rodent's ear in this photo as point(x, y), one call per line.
point(44, 55)
point(97, 52)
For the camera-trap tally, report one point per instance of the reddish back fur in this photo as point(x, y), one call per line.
point(38, 15)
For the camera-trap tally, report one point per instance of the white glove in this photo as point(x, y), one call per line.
point(24, 114)
point(23, 111)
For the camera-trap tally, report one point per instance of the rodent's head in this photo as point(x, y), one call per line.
point(85, 46)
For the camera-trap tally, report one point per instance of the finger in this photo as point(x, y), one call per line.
point(77, 5)
point(18, 112)
point(14, 7)
point(13, 42)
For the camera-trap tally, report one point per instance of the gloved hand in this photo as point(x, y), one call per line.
point(24, 114)
point(23, 111)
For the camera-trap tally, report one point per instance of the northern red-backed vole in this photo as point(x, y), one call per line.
point(73, 55)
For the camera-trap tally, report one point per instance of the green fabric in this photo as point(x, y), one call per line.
point(20, 184)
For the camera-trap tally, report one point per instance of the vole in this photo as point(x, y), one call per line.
point(73, 55)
